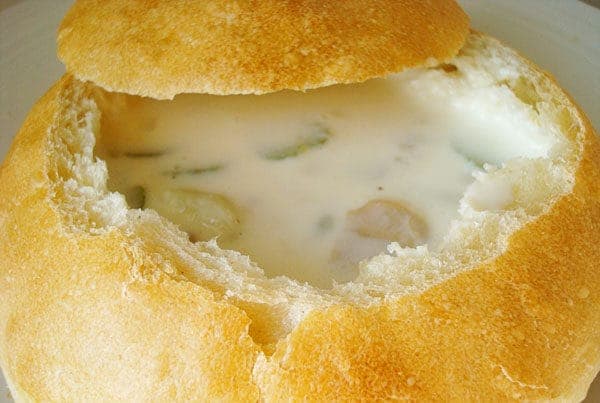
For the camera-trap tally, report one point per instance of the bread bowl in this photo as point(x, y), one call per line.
point(382, 321)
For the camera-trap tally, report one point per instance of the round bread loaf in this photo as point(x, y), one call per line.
point(104, 302)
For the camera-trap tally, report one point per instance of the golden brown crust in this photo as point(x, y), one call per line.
point(96, 317)
point(160, 49)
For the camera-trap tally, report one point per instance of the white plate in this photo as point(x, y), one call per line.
point(562, 36)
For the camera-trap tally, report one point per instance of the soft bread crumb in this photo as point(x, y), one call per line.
point(80, 179)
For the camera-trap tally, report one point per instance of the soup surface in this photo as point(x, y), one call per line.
point(310, 184)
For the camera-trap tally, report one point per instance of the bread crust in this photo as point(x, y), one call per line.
point(97, 317)
point(160, 49)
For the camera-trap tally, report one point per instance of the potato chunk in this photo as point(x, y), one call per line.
point(388, 220)
point(202, 215)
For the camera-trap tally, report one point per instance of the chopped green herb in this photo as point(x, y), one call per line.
point(144, 154)
point(178, 171)
point(319, 136)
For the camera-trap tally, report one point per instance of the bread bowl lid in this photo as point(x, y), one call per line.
point(160, 49)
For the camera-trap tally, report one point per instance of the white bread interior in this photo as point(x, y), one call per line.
point(279, 313)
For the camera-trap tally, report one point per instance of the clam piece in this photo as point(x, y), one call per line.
point(389, 220)
point(369, 229)
point(202, 215)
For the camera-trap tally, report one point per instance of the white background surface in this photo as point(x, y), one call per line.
point(562, 36)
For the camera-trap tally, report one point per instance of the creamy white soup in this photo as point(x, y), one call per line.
point(310, 184)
